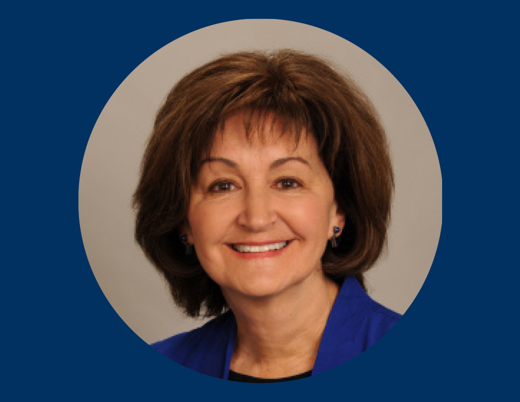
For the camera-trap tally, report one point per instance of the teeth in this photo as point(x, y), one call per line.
point(259, 249)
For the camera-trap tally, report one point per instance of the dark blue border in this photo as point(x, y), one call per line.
point(61, 63)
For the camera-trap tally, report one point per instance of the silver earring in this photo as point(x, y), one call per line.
point(188, 248)
point(334, 240)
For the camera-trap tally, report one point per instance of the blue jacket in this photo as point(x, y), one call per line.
point(355, 323)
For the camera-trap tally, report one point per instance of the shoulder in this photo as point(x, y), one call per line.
point(179, 347)
point(355, 323)
point(377, 321)
point(365, 319)
point(204, 349)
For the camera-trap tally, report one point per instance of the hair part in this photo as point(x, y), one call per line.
point(304, 94)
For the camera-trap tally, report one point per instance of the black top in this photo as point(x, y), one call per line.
point(234, 376)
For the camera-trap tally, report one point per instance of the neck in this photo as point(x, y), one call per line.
point(279, 336)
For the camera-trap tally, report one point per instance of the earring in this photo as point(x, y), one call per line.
point(188, 248)
point(334, 240)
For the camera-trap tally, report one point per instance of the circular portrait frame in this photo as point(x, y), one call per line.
point(111, 164)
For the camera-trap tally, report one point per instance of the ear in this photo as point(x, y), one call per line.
point(185, 229)
point(337, 219)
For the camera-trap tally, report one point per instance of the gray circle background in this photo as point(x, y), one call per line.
point(110, 170)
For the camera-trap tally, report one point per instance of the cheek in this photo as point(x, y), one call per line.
point(309, 217)
point(205, 230)
point(208, 221)
point(200, 220)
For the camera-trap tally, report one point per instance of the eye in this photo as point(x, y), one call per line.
point(288, 183)
point(222, 187)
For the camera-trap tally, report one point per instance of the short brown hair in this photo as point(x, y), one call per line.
point(306, 92)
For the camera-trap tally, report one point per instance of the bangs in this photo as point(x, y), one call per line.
point(260, 125)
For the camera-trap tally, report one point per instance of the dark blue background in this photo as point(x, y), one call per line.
point(61, 62)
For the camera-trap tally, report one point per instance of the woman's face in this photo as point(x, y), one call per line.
point(261, 210)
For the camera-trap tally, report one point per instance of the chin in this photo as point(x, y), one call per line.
point(262, 287)
point(255, 289)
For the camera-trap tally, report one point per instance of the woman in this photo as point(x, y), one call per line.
point(264, 196)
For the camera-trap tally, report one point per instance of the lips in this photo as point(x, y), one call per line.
point(264, 248)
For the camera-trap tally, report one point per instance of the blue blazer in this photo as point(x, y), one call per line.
point(355, 323)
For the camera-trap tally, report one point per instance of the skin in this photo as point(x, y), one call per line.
point(267, 189)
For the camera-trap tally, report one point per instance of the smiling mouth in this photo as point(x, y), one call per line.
point(244, 248)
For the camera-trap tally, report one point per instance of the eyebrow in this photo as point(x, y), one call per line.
point(273, 165)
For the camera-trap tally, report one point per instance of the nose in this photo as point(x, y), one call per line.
point(257, 213)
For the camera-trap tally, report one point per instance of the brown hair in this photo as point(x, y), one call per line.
point(304, 91)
